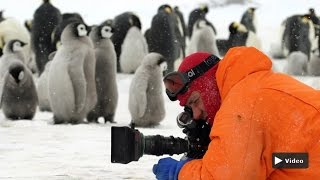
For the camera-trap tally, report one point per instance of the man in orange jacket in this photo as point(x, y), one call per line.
point(254, 112)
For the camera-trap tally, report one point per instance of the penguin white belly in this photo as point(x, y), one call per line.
point(134, 48)
point(61, 93)
point(253, 40)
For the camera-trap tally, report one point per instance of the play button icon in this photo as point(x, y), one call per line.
point(290, 160)
point(277, 160)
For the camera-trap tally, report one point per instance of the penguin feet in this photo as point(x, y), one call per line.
point(109, 117)
point(94, 120)
point(13, 117)
point(92, 117)
point(77, 121)
point(57, 120)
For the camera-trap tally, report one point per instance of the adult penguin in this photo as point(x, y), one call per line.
point(182, 28)
point(203, 39)
point(146, 101)
point(45, 19)
point(12, 29)
point(1, 16)
point(249, 19)
point(298, 35)
point(198, 13)
point(130, 58)
point(18, 95)
point(162, 37)
point(238, 36)
point(42, 86)
point(105, 75)
point(315, 19)
point(72, 87)
point(178, 29)
point(121, 24)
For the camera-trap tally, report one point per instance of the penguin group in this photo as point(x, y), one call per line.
point(298, 43)
point(58, 63)
point(243, 33)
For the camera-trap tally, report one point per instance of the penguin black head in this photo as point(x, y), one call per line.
point(311, 11)
point(105, 31)
point(17, 72)
point(1, 15)
point(233, 28)
point(15, 45)
point(153, 60)
point(46, 1)
point(165, 8)
point(305, 18)
point(237, 27)
point(80, 29)
point(251, 10)
point(204, 8)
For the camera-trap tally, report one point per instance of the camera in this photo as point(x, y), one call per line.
point(128, 144)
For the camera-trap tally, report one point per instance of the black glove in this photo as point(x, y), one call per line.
point(198, 138)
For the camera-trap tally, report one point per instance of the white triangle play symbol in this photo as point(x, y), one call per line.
point(277, 160)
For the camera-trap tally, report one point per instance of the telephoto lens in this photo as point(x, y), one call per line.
point(159, 145)
point(128, 144)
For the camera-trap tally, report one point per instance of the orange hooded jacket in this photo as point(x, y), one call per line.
point(261, 112)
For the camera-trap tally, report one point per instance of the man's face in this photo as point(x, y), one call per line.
point(195, 102)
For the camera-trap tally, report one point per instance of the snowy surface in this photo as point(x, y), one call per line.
point(39, 150)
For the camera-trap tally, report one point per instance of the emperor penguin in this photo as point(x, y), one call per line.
point(18, 95)
point(203, 39)
point(12, 29)
point(42, 86)
point(1, 16)
point(72, 87)
point(130, 58)
point(182, 29)
point(238, 36)
point(297, 63)
point(105, 75)
point(314, 18)
point(198, 13)
point(162, 37)
point(121, 24)
point(249, 19)
point(146, 101)
point(298, 35)
point(66, 19)
point(45, 19)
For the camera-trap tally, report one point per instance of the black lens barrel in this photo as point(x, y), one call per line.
point(159, 145)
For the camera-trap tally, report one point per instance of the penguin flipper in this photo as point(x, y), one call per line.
point(2, 83)
point(78, 81)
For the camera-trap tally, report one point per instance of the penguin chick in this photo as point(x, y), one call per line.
point(297, 63)
point(72, 87)
point(105, 74)
point(146, 101)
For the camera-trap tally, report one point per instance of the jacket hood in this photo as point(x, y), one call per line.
point(238, 63)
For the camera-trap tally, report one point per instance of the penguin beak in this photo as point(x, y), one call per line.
point(23, 44)
point(89, 28)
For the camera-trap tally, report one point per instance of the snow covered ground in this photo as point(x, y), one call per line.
point(39, 150)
